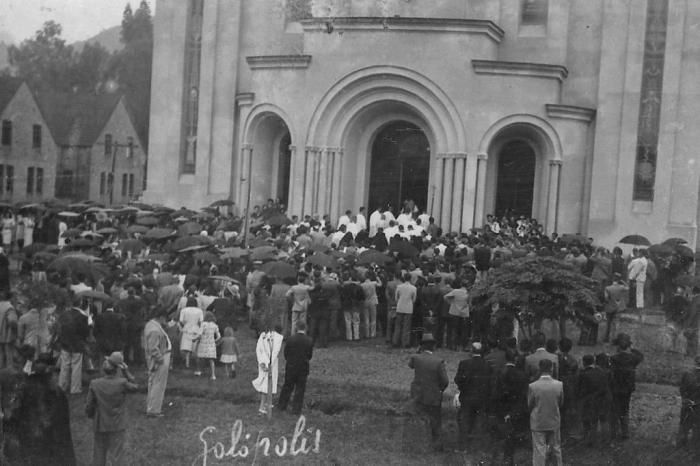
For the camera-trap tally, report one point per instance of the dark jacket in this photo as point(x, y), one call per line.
point(510, 393)
point(593, 390)
point(474, 380)
point(623, 368)
point(73, 331)
point(110, 331)
point(298, 352)
point(430, 378)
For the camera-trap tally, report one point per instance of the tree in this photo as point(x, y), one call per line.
point(45, 60)
point(89, 67)
point(539, 288)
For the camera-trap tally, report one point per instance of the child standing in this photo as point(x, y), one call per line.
point(229, 352)
point(207, 343)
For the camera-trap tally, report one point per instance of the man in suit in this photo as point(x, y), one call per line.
point(616, 299)
point(593, 391)
point(74, 330)
point(157, 348)
point(430, 380)
point(510, 398)
point(297, 353)
point(532, 367)
point(110, 331)
point(405, 297)
point(623, 367)
point(474, 382)
point(544, 398)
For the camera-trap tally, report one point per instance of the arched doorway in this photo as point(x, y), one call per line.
point(515, 183)
point(284, 167)
point(400, 166)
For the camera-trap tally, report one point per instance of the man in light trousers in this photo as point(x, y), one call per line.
point(157, 347)
point(545, 397)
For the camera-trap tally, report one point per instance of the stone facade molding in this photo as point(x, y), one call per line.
point(245, 98)
point(570, 112)
point(262, 111)
point(278, 62)
point(539, 127)
point(510, 68)
point(436, 25)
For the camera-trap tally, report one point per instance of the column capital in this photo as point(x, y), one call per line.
point(482, 156)
point(313, 148)
point(292, 148)
point(247, 146)
point(328, 150)
point(553, 163)
point(452, 155)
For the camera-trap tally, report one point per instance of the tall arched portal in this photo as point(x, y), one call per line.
point(270, 160)
point(516, 179)
point(284, 167)
point(400, 166)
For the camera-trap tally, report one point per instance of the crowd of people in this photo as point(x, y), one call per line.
point(171, 287)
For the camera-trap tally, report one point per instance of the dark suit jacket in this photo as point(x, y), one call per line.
point(430, 378)
point(593, 389)
point(474, 380)
point(510, 393)
point(110, 331)
point(74, 331)
point(298, 352)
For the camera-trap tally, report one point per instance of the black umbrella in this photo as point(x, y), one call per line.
point(373, 256)
point(279, 269)
point(685, 251)
point(158, 233)
point(263, 252)
point(222, 203)
point(675, 241)
point(661, 250)
point(637, 240)
point(323, 260)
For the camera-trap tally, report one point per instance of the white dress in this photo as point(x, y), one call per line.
point(28, 231)
point(268, 348)
point(191, 319)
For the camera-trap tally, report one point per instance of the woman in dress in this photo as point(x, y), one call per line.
point(191, 318)
point(8, 224)
point(207, 344)
point(267, 351)
point(28, 231)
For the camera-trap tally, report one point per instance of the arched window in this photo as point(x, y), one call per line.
point(193, 53)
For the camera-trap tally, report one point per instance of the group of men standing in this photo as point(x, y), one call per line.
point(506, 387)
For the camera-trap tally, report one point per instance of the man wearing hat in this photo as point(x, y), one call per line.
point(105, 405)
point(690, 406)
point(623, 367)
point(616, 298)
point(430, 380)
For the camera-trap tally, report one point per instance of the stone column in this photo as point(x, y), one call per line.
point(296, 182)
point(309, 180)
point(469, 194)
point(446, 214)
point(435, 202)
point(480, 194)
point(458, 190)
point(323, 187)
point(336, 184)
point(244, 164)
point(553, 196)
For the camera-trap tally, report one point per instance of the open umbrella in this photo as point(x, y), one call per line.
point(33, 249)
point(278, 220)
point(196, 247)
point(81, 243)
point(182, 213)
point(223, 278)
point(373, 257)
point(107, 231)
point(661, 250)
point(189, 228)
point(158, 233)
point(279, 269)
point(637, 240)
point(136, 229)
point(68, 213)
point(675, 241)
point(263, 252)
point(234, 253)
point(71, 232)
point(685, 251)
point(148, 221)
point(222, 203)
point(188, 241)
point(203, 215)
point(160, 256)
point(133, 245)
point(323, 260)
point(206, 256)
point(95, 295)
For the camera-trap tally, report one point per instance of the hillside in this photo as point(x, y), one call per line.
point(4, 61)
point(108, 38)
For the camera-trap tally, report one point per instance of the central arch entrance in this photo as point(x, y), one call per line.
point(515, 184)
point(400, 166)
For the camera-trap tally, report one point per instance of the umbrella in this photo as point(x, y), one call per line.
point(203, 215)
point(182, 213)
point(107, 231)
point(32, 207)
point(637, 240)
point(223, 278)
point(205, 256)
point(72, 232)
point(133, 245)
point(373, 256)
point(142, 206)
point(136, 229)
point(222, 202)
point(685, 251)
point(661, 250)
point(278, 220)
point(234, 253)
point(189, 228)
point(675, 241)
point(158, 233)
point(81, 243)
point(33, 249)
point(279, 269)
point(67, 213)
point(323, 260)
point(187, 241)
point(90, 210)
point(263, 252)
point(73, 264)
point(93, 294)
point(148, 221)
point(403, 248)
point(196, 247)
point(259, 242)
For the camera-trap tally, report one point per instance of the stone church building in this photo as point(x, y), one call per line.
point(580, 113)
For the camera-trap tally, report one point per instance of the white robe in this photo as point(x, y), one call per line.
point(268, 348)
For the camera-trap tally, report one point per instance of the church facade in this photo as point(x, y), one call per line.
point(579, 113)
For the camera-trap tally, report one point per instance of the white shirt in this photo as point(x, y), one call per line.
point(374, 222)
point(343, 220)
point(404, 219)
point(637, 269)
point(361, 222)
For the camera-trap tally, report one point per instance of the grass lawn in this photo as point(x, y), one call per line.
point(357, 398)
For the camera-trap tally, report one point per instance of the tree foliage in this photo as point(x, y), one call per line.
point(539, 287)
